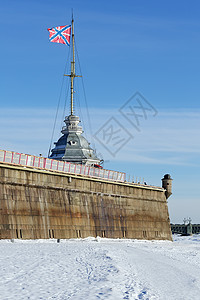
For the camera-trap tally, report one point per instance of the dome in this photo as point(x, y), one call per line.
point(72, 146)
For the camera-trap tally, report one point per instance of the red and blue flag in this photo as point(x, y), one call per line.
point(60, 34)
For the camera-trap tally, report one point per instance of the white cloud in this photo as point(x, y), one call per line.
point(171, 137)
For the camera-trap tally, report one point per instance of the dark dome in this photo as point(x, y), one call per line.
point(167, 176)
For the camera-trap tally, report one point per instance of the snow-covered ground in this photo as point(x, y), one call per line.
point(100, 269)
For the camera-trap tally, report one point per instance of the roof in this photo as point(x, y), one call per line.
point(72, 146)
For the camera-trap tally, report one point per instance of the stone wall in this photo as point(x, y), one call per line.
point(43, 204)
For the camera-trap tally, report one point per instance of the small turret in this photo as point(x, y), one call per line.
point(167, 185)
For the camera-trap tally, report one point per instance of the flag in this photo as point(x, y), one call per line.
point(60, 34)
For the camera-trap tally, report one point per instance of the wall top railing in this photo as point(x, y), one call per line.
point(57, 165)
point(39, 162)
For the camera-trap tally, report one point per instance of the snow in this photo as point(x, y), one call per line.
point(96, 268)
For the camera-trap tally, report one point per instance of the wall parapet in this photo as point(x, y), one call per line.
point(46, 164)
point(39, 162)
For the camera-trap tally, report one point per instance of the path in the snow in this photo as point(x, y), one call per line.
point(100, 269)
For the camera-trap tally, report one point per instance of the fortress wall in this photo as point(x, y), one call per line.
point(43, 204)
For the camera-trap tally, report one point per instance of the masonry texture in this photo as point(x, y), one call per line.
point(39, 204)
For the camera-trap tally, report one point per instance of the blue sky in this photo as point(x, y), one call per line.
point(147, 46)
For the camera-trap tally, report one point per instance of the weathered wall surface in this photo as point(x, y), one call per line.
point(42, 204)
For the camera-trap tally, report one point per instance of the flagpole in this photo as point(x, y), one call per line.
point(72, 69)
point(72, 75)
